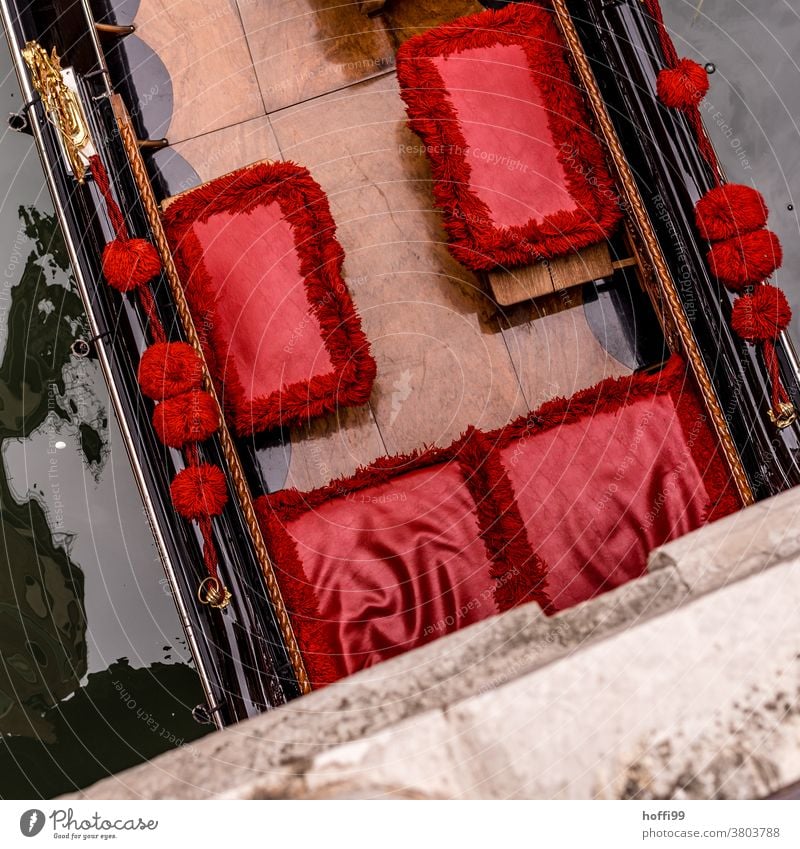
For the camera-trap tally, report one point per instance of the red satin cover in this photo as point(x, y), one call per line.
point(396, 564)
point(406, 550)
point(257, 253)
point(517, 172)
point(603, 478)
point(556, 507)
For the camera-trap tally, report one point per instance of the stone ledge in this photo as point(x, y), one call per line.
point(701, 703)
point(277, 748)
point(735, 547)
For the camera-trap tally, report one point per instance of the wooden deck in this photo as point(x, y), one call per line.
point(313, 82)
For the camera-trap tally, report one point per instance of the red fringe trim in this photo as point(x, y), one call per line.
point(613, 394)
point(520, 574)
point(474, 240)
point(305, 207)
point(723, 496)
point(516, 570)
point(313, 633)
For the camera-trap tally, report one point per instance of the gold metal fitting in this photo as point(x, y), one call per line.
point(785, 415)
point(62, 105)
point(213, 593)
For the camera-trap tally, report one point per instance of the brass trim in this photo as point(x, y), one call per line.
point(676, 314)
point(152, 144)
point(241, 488)
point(783, 416)
point(213, 593)
point(61, 104)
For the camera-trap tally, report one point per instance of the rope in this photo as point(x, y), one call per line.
point(157, 331)
point(112, 207)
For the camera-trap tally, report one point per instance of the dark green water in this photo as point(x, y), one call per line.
point(95, 675)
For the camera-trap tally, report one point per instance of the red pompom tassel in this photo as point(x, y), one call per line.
point(683, 86)
point(761, 315)
point(168, 369)
point(199, 491)
point(745, 260)
point(189, 417)
point(128, 263)
point(730, 210)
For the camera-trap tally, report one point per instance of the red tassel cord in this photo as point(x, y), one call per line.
point(745, 260)
point(733, 218)
point(168, 369)
point(172, 374)
point(759, 318)
point(684, 86)
point(680, 85)
point(728, 210)
point(190, 417)
point(199, 491)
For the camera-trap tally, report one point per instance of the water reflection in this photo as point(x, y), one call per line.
point(42, 623)
point(94, 676)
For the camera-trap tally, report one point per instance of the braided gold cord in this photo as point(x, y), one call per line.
point(228, 448)
point(653, 248)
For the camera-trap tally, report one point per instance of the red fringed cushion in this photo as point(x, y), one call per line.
point(408, 549)
point(556, 507)
point(517, 172)
point(258, 256)
point(603, 478)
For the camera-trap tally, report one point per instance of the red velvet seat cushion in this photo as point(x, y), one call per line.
point(257, 253)
point(405, 551)
point(603, 478)
point(556, 507)
point(517, 172)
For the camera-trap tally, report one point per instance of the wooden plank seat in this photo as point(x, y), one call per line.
point(514, 285)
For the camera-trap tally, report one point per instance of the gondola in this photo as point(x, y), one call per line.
point(661, 317)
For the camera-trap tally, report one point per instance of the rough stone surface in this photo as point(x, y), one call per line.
point(735, 547)
point(702, 703)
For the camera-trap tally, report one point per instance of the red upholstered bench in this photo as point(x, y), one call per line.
point(557, 507)
point(258, 256)
point(517, 172)
point(604, 477)
point(406, 550)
